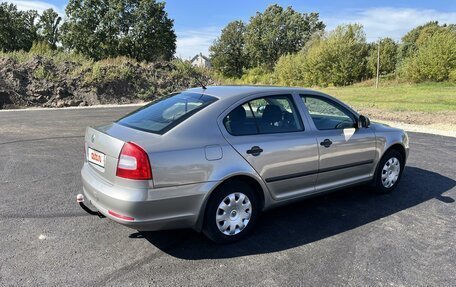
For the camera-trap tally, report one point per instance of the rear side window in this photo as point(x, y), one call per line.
point(267, 115)
point(162, 115)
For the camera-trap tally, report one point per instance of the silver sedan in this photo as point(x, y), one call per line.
point(214, 158)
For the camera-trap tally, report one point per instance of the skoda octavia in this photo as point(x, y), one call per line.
point(214, 158)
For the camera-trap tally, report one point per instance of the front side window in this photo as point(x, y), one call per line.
point(272, 114)
point(328, 115)
point(162, 115)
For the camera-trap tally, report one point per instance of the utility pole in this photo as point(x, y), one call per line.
point(378, 65)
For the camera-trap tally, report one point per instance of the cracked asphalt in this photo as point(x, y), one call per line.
point(351, 237)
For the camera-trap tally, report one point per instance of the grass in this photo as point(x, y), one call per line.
point(391, 96)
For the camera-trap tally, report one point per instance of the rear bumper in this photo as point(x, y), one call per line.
point(151, 209)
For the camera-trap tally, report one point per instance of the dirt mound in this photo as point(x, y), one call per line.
point(46, 82)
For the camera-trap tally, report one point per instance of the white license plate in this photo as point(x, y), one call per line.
point(97, 157)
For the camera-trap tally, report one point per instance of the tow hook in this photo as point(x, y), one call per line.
point(80, 200)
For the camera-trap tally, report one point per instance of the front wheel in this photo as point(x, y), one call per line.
point(389, 172)
point(231, 212)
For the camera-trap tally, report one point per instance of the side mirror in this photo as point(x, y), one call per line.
point(363, 122)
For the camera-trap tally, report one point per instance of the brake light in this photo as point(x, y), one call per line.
point(133, 163)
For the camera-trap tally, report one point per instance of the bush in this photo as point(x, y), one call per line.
point(41, 48)
point(452, 76)
point(258, 76)
point(290, 70)
point(112, 69)
point(336, 59)
point(40, 73)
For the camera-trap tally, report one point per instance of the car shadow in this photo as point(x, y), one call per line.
point(309, 220)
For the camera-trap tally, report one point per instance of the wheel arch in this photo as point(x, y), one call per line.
point(400, 148)
point(395, 146)
point(253, 182)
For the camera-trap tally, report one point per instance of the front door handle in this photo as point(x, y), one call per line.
point(326, 143)
point(255, 150)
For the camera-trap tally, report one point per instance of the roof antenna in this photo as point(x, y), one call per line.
point(195, 76)
point(199, 81)
point(202, 85)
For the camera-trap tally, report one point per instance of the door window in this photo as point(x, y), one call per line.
point(327, 114)
point(272, 114)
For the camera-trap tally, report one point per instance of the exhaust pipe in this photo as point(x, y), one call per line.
point(80, 201)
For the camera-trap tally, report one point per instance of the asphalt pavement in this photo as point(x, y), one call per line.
point(352, 237)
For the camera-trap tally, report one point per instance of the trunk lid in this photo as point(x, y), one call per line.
point(101, 144)
point(109, 140)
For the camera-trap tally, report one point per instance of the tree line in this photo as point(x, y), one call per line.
point(101, 29)
point(279, 45)
point(285, 47)
point(20, 29)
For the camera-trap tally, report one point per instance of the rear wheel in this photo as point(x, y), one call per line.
point(231, 212)
point(389, 172)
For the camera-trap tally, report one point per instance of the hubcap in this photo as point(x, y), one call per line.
point(233, 213)
point(390, 172)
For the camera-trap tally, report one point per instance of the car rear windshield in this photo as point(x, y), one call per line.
point(162, 115)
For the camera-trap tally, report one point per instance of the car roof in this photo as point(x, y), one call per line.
point(235, 93)
point(225, 92)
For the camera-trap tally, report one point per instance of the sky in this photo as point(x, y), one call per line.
point(198, 23)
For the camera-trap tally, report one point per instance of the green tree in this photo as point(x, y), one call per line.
point(100, 29)
point(18, 29)
point(409, 40)
point(340, 58)
point(31, 26)
point(434, 58)
point(278, 31)
point(227, 52)
point(49, 27)
point(388, 57)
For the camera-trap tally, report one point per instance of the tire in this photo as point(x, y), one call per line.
point(242, 209)
point(388, 176)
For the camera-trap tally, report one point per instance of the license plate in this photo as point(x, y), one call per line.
point(97, 157)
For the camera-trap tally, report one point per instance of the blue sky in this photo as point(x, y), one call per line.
point(198, 23)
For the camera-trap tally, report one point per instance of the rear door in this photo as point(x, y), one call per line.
point(346, 152)
point(270, 134)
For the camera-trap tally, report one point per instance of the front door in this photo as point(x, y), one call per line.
point(346, 151)
point(269, 133)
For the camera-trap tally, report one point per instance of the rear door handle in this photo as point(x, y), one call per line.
point(255, 150)
point(326, 143)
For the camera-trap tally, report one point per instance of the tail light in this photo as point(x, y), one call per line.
point(133, 163)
